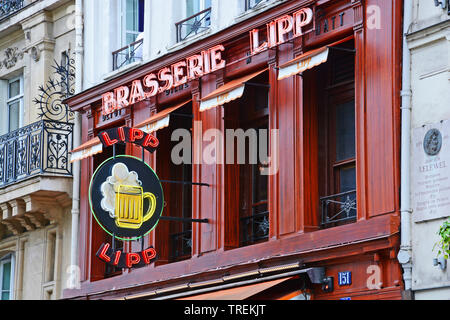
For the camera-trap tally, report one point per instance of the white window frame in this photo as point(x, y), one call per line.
point(123, 24)
point(10, 257)
point(10, 100)
point(201, 6)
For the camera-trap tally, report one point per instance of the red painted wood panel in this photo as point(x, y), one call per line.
point(381, 155)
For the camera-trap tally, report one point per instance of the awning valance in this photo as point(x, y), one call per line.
point(152, 124)
point(308, 60)
point(87, 149)
point(304, 62)
point(228, 92)
point(238, 293)
point(160, 120)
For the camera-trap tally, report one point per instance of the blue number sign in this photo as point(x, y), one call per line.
point(345, 278)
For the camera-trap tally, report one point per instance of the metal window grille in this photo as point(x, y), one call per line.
point(193, 24)
point(338, 208)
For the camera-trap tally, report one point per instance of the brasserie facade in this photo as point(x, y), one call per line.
point(312, 88)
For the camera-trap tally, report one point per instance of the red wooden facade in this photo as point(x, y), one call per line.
point(366, 246)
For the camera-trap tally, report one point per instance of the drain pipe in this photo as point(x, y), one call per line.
point(79, 53)
point(404, 255)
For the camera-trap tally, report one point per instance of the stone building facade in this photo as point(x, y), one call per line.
point(36, 73)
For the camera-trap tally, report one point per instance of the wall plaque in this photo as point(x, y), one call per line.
point(430, 172)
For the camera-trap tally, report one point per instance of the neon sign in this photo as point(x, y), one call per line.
point(165, 79)
point(196, 66)
point(278, 29)
point(126, 198)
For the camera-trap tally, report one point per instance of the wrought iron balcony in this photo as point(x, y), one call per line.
point(193, 25)
point(39, 148)
point(8, 7)
point(128, 54)
point(181, 244)
point(338, 209)
point(254, 228)
point(250, 4)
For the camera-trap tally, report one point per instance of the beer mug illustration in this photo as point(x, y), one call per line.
point(129, 208)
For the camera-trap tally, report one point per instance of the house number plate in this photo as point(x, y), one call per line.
point(345, 278)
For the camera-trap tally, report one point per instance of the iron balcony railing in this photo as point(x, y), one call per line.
point(8, 7)
point(128, 54)
point(250, 4)
point(193, 25)
point(338, 208)
point(254, 228)
point(39, 148)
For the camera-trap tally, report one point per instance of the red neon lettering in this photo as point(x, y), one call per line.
point(216, 58)
point(179, 73)
point(103, 255)
point(165, 75)
point(121, 134)
point(136, 134)
point(108, 103)
point(137, 93)
point(302, 18)
point(285, 25)
point(117, 257)
point(108, 140)
point(206, 62)
point(148, 255)
point(122, 94)
point(151, 81)
point(195, 66)
point(151, 141)
point(132, 259)
point(271, 34)
point(254, 42)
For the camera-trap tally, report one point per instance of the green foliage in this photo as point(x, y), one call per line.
point(444, 240)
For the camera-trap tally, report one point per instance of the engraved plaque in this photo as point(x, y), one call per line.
point(430, 172)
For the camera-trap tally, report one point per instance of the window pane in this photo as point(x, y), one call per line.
point(345, 131)
point(347, 179)
point(14, 109)
point(192, 7)
point(6, 279)
point(14, 88)
point(5, 296)
point(132, 15)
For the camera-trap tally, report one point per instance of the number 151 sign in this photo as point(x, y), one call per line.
point(345, 278)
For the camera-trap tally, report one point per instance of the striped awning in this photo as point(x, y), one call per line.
point(308, 60)
point(304, 62)
point(87, 149)
point(228, 92)
point(160, 120)
point(154, 123)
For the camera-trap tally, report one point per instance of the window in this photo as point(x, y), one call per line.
point(336, 138)
point(175, 237)
point(15, 103)
point(198, 19)
point(131, 33)
point(132, 18)
point(7, 277)
point(51, 256)
point(246, 189)
point(195, 6)
point(250, 4)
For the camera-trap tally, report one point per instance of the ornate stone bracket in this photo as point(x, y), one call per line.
point(12, 56)
point(31, 212)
